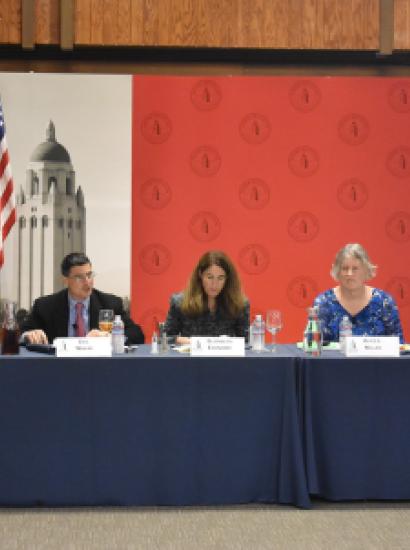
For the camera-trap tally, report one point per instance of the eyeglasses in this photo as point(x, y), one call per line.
point(83, 277)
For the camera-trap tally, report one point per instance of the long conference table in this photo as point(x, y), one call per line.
point(174, 430)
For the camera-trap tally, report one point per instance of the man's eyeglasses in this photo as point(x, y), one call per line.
point(80, 278)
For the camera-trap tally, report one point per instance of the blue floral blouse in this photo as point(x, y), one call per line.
point(380, 317)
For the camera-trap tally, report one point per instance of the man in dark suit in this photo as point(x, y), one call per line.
point(74, 310)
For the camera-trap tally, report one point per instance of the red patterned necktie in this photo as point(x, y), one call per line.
point(79, 320)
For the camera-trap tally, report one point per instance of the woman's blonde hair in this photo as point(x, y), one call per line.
point(356, 251)
point(231, 299)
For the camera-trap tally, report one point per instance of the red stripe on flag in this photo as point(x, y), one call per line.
point(7, 194)
point(11, 220)
point(7, 202)
point(4, 162)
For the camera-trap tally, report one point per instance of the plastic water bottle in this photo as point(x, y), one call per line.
point(258, 334)
point(164, 342)
point(345, 329)
point(250, 336)
point(154, 343)
point(117, 335)
point(312, 337)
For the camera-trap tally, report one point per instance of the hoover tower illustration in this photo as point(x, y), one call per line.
point(51, 220)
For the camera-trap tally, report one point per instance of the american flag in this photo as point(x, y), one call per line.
point(7, 201)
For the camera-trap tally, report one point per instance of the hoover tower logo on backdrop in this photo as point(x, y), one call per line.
point(204, 226)
point(303, 161)
point(254, 193)
point(205, 161)
point(155, 259)
point(255, 128)
point(206, 95)
point(305, 96)
point(156, 128)
point(254, 259)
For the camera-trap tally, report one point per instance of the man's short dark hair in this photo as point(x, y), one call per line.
point(72, 260)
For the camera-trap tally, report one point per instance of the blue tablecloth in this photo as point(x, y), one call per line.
point(356, 416)
point(176, 430)
point(141, 430)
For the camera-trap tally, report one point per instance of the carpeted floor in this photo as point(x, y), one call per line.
point(330, 526)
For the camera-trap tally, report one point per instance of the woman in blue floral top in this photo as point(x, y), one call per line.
point(371, 311)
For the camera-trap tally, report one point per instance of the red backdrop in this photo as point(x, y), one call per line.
point(279, 172)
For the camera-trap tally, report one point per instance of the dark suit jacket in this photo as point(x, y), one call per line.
point(50, 313)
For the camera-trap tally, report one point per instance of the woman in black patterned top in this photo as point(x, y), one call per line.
point(212, 303)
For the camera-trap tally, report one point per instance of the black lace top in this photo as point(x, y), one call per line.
point(208, 324)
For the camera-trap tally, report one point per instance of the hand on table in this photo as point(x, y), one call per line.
point(96, 332)
point(182, 340)
point(35, 337)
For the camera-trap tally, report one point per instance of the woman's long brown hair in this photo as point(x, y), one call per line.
point(231, 298)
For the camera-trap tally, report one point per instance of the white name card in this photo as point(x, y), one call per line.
point(216, 346)
point(97, 346)
point(372, 346)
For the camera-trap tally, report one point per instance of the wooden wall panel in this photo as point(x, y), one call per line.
point(310, 24)
point(402, 24)
point(15, 22)
point(110, 18)
point(47, 24)
point(139, 23)
point(276, 24)
point(258, 22)
point(145, 23)
point(368, 12)
point(333, 24)
point(312, 20)
point(96, 35)
point(294, 19)
point(10, 22)
point(123, 27)
point(82, 26)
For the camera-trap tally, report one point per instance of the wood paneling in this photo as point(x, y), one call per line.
point(10, 22)
point(15, 22)
point(82, 18)
point(96, 35)
point(292, 24)
point(110, 17)
point(123, 26)
point(402, 24)
point(47, 19)
point(270, 24)
point(138, 21)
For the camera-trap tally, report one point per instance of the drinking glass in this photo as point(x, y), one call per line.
point(273, 325)
point(9, 331)
point(105, 319)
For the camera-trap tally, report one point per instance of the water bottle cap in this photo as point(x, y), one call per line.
point(258, 317)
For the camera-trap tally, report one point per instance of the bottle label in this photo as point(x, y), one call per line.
point(312, 341)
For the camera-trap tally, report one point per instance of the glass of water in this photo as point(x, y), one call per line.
point(273, 325)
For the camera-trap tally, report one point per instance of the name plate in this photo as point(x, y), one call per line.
point(97, 346)
point(372, 346)
point(217, 346)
